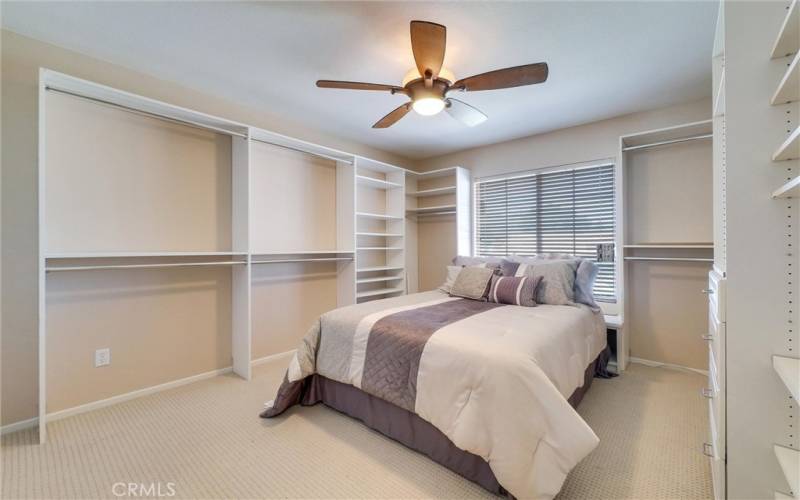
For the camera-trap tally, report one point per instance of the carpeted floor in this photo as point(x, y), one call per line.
point(206, 441)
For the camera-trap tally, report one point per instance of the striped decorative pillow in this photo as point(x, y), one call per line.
point(514, 290)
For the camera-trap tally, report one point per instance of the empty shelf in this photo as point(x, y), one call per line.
point(379, 279)
point(433, 192)
point(425, 210)
point(791, 188)
point(302, 252)
point(300, 259)
point(115, 255)
point(789, 371)
point(379, 268)
point(378, 216)
point(380, 248)
point(141, 266)
point(790, 149)
point(441, 172)
point(788, 41)
point(789, 87)
point(380, 291)
point(672, 245)
point(790, 464)
point(382, 235)
point(376, 183)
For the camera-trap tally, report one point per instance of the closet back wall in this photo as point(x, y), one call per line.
point(21, 59)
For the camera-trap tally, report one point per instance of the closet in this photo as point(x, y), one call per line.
point(438, 222)
point(176, 246)
point(666, 233)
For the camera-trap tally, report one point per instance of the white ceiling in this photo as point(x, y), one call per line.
point(606, 58)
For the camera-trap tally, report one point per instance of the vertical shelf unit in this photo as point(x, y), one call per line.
point(438, 222)
point(380, 232)
point(216, 199)
point(653, 166)
point(786, 98)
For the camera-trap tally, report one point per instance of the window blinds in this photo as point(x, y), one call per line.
point(566, 211)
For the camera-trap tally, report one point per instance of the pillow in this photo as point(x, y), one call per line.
point(514, 290)
point(508, 267)
point(472, 283)
point(463, 260)
point(452, 272)
point(584, 283)
point(558, 280)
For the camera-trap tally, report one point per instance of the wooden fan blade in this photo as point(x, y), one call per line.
point(393, 117)
point(428, 43)
point(465, 113)
point(504, 78)
point(336, 84)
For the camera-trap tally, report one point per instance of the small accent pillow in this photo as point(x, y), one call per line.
point(558, 280)
point(452, 273)
point(472, 283)
point(514, 290)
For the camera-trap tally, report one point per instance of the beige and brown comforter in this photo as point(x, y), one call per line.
point(493, 378)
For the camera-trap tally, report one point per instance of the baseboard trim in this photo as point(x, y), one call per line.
point(121, 398)
point(672, 366)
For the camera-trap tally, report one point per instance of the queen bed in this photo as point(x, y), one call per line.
point(484, 388)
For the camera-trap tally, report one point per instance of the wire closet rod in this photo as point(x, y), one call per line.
point(283, 261)
point(665, 143)
point(148, 113)
point(142, 266)
point(677, 259)
point(313, 153)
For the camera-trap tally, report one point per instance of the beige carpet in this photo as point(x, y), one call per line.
point(206, 439)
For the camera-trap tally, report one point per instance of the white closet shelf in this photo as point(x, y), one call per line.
point(425, 210)
point(789, 459)
point(302, 252)
point(386, 235)
point(111, 255)
point(702, 245)
point(788, 41)
point(433, 192)
point(790, 149)
point(791, 188)
point(378, 279)
point(379, 248)
point(142, 266)
point(376, 183)
point(378, 216)
point(789, 88)
point(377, 166)
point(379, 268)
point(789, 371)
point(668, 135)
point(380, 291)
point(432, 174)
point(306, 259)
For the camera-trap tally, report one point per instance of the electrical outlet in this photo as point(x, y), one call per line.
point(102, 357)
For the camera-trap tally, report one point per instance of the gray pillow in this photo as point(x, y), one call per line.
point(464, 260)
point(558, 280)
point(584, 283)
point(472, 283)
point(452, 273)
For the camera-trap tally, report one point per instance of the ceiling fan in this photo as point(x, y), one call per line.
point(428, 84)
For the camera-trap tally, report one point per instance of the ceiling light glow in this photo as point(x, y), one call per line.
point(428, 106)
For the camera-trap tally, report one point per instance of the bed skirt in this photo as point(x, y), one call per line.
point(414, 432)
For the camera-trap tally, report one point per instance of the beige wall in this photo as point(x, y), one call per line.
point(21, 59)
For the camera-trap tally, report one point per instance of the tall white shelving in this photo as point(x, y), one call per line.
point(368, 254)
point(438, 223)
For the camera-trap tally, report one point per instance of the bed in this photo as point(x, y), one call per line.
point(485, 389)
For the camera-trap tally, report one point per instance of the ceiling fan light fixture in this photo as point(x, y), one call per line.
point(428, 106)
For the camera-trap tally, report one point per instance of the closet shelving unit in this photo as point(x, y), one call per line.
point(364, 251)
point(438, 220)
point(786, 50)
point(634, 251)
point(380, 232)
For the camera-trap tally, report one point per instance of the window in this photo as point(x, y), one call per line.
point(566, 211)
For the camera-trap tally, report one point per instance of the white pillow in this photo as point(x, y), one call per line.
point(452, 274)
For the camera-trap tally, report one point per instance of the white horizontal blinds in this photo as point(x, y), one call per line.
point(567, 211)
